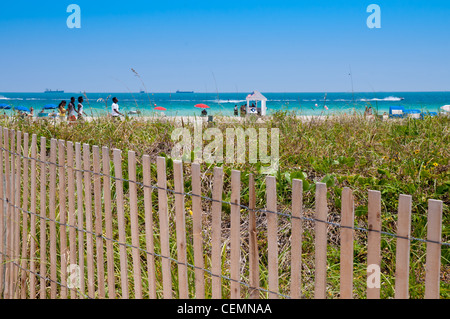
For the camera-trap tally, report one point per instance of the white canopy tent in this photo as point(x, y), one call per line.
point(255, 97)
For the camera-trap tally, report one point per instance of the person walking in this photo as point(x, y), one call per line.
point(115, 109)
point(80, 108)
point(71, 111)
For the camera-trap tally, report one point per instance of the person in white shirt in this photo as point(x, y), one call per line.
point(115, 108)
point(80, 108)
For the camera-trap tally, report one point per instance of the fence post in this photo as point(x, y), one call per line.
point(216, 234)
point(197, 232)
point(121, 222)
point(347, 233)
point(150, 246)
point(296, 241)
point(134, 225)
point(253, 241)
point(272, 238)
point(374, 245)
point(235, 233)
point(434, 236)
point(164, 227)
point(403, 247)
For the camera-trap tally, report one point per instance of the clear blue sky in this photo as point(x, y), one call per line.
point(271, 46)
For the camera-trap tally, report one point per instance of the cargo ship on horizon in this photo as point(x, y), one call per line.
point(53, 91)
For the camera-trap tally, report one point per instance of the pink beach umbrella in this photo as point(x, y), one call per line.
point(202, 106)
point(160, 108)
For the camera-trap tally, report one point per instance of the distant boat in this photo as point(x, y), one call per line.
point(185, 91)
point(53, 91)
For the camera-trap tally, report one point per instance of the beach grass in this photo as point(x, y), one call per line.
point(395, 157)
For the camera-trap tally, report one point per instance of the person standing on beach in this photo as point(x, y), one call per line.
point(62, 110)
point(71, 110)
point(115, 108)
point(236, 110)
point(80, 108)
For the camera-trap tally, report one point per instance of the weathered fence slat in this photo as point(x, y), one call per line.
point(98, 221)
point(64, 253)
point(134, 225)
point(253, 241)
point(321, 242)
point(216, 234)
point(296, 239)
point(25, 178)
point(197, 232)
point(180, 225)
point(108, 222)
point(43, 222)
point(121, 223)
point(235, 233)
point(72, 214)
point(33, 192)
point(89, 224)
point(403, 247)
point(374, 245)
point(347, 233)
point(12, 217)
point(80, 216)
point(272, 237)
point(52, 223)
point(164, 227)
point(7, 206)
point(149, 241)
point(18, 213)
point(433, 257)
point(2, 215)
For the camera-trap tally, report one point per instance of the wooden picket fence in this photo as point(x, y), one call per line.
point(70, 222)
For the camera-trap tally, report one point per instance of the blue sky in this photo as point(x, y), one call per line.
point(229, 46)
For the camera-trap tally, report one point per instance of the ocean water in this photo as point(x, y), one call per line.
point(182, 104)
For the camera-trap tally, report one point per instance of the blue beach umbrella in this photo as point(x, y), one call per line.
point(21, 108)
point(4, 107)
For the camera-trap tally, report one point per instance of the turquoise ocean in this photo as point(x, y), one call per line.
point(182, 104)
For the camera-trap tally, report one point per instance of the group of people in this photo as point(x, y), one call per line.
point(243, 109)
point(75, 113)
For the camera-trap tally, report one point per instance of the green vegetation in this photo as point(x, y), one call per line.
point(394, 157)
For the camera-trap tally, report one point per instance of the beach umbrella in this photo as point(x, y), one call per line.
point(160, 108)
point(4, 107)
point(50, 107)
point(21, 108)
point(202, 106)
point(446, 108)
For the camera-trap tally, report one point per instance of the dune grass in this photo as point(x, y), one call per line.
point(394, 157)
